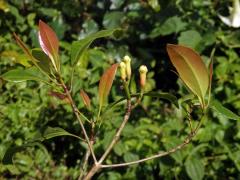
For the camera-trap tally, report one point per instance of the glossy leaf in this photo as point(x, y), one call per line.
point(43, 60)
point(49, 43)
point(219, 108)
point(79, 47)
point(19, 75)
point(105, 84)
point(190, 68)
point(85, 98)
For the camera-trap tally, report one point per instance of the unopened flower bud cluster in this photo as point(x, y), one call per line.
point(125, 70)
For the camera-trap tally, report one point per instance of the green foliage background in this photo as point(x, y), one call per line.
point(27, 107)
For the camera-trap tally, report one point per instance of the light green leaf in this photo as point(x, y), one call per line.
point(155, 5)
point(79, 47)
point(194, 168)
point(219, 108)
point(19, 75)
point(190, 38)
point(128, 157)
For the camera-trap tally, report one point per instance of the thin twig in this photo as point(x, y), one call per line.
point(76, 112)
point(85, 162)
point(160, 154)
point(118, 133)
point(86, 157)
point(97, 165)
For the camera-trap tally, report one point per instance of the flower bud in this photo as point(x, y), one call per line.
point(123, 71)
point(127, 61)
point(143, 74)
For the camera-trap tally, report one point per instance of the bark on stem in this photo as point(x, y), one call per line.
point(98, 165)
point(76, 112)
point(186, 141)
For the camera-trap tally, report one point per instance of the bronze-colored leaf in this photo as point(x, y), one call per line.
point(190, 68)
point(105, 84)
point(49, 43)
point(85, 98)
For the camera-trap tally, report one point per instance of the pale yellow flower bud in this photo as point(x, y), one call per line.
point(123, 71)
point(143, 75)
point(127, 61)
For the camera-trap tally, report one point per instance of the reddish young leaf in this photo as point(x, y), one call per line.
point(85, 99)
point(49, 43)
point(190, 68)
point(60, 96)
point(105, 84)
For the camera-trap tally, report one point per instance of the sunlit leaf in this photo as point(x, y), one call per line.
point(190, 68)
point(220, 109)
point(105, 84)
point(22, 59)
point(85, 98)
point(79, 47)
point(49, 43)
point(19, 75)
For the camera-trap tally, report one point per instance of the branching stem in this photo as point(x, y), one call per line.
point(76, 112)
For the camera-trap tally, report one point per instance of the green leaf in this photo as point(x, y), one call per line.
point(190, 38)
point(23, 162)
point(162, 95)
point(8, 155)
point(51, 132)
point(119, 148)
point(194, 168)
point(219, 108)
point(19, 75)
point(43, 60)
point(105, 84)
point(155, 5)
point(79, 47)
point(171, 143)
point(171, 25)
point(113, 19)
point(128, 157)
point(191, 69)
